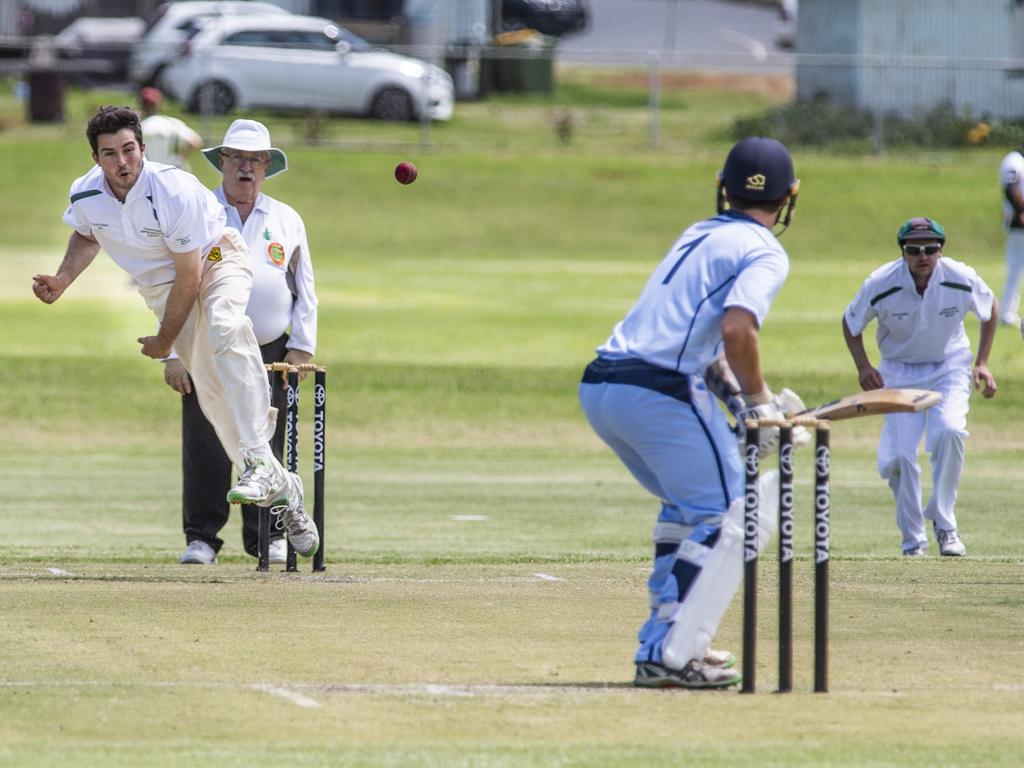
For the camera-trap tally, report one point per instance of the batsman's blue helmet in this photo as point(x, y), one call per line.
point(920, 228)
point(759, 168)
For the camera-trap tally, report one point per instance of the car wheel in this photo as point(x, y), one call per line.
point(213, 98)
point(392, 104)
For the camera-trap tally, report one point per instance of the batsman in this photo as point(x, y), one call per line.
point(693, 335)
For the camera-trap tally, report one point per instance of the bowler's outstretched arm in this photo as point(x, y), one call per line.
point(80, 252)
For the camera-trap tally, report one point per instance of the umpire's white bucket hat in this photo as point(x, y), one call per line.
point(249, 136)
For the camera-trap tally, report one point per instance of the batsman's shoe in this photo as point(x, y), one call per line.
point(949, 543)
point(198, 552)
point(260, 482)
point(918, 551)
point(301, 530)
point(696, 674)
point(720, 659)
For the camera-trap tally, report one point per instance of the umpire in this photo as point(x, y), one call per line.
point(283, 312)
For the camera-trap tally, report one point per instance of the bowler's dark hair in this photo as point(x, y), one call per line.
point(112, 120)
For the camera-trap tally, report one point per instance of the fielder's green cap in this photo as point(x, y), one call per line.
point(920, 228)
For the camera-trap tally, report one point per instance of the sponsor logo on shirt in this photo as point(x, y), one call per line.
point(276, 253)
point(100, 225)
point(150, 232)
point(949, 311)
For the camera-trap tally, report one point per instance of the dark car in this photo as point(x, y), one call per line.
point(549, 17)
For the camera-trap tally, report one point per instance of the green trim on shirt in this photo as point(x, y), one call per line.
point(88, 193)
point(882, 295)
point(958, 286)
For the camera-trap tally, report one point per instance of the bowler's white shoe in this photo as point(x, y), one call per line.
point(949, 543)
point(198, 552)
point(260, 482)
point(720, 659)
point(696, 674)
point(301, 531)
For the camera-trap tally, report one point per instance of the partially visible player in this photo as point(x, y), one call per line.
point(164, 228)
point(645, 395)
point(168, 139)
point(920, 301)
point(1011, 179)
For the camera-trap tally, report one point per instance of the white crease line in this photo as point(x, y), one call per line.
point(546, 577)
point(59, 572)
point(293, 696)
point(469, 518)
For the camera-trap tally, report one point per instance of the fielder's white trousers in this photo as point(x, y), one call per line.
point(219, 349)
point(1009, 302)
point(944, 429)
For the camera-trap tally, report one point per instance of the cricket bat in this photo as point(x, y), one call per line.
point(872, 403)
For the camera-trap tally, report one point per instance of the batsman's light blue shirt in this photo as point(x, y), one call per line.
point(730, 260)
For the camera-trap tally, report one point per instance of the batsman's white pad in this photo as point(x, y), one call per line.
point(697, 618)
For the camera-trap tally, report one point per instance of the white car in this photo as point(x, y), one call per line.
point(175, 23)
point(302, 62)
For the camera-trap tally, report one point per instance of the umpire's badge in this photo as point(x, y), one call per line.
point(276, 253)
point(214, 254)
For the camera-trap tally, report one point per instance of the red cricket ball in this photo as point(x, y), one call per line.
point(405, 173)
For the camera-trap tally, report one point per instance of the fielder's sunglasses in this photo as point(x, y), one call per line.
point(917, 250)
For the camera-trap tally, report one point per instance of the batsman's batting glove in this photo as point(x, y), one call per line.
point(768, 437)
point(790, 403)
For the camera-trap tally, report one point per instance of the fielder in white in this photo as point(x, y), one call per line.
point(920, 301)
point(168, 139)
point(649, 396)
point(164, 228)
point(1011, 179)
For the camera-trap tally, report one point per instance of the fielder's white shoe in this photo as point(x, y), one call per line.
point(278, 551)
point(301, 530)
point(260, 482)
point(949, 543)
point(918, 551)
point(198, 552)
point(1010, 318)
point(696, 674)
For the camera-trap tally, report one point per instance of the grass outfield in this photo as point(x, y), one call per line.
point(486, 554)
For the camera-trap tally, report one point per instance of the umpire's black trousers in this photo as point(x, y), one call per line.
point(206, 469)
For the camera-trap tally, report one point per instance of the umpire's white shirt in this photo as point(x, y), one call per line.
point(166, 211)
point(730, 260)
point(276, 238)
point(914, 328)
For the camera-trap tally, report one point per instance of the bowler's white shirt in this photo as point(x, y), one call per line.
point(276, 238)
point(166, 211)
point(727, 261)
point(914, 328)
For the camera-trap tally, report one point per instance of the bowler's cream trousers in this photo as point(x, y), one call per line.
point(219, 349)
